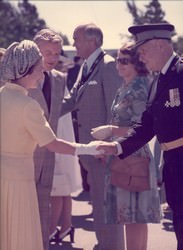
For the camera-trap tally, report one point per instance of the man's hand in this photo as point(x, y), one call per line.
point(107, 148)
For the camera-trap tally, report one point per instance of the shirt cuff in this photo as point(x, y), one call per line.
point(119, 148)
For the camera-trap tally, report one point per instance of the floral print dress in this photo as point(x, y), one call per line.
point(122, 206)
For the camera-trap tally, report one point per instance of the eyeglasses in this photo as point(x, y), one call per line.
point(123, 61)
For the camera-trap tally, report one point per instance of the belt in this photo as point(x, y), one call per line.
point(172, 144)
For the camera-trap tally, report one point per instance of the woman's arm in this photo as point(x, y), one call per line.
point(72, 148)
point(61, 146)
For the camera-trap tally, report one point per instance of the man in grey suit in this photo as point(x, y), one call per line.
point(92, 96)
point(50, 96)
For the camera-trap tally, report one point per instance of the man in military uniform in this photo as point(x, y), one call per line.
point(163, 116)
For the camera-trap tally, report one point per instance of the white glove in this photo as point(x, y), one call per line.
point(102, 132)
point(88, 149)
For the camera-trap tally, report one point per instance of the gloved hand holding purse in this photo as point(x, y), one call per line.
point(102, 132)
point(106, 131)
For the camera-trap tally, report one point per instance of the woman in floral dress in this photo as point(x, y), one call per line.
point(133, 209)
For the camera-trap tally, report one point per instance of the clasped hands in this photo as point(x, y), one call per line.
point(105, 148)
point(96, 148)
point(99, 147)
point(107, 131)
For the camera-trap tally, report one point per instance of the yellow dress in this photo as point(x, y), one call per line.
point(23, 126)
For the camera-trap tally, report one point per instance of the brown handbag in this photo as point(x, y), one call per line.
point(131, 173)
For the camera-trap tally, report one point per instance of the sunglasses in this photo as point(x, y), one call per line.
point(123, 61)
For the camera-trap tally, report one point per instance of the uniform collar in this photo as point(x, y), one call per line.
point(166, 66)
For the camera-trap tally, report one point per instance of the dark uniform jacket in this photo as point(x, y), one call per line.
point(164, 116)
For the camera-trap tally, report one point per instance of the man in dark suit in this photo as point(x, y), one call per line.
point(50, 96)
point(163, 116)
point(92, 96)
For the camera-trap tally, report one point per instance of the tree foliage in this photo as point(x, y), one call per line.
point(178, 45)
point(8, 30)
point(20, 22)
point(153, 13)
point(30, 23)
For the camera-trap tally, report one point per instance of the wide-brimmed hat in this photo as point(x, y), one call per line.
point(144, 33)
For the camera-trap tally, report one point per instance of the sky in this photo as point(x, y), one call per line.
point(111, 16)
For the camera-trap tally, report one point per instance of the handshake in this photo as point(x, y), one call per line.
point(100, 147)
point(96, 148)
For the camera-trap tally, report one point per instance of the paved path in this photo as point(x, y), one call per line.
point(161, 236)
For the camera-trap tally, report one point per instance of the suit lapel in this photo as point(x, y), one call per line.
point(81, 90)
point(57, 94)
point(37, 94)
point(84, 79)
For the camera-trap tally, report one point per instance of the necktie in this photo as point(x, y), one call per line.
point(84, 75)
point(84, 71)
point(47, 90)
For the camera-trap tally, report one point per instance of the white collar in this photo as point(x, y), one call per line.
point(166, 66)
point(90, 60)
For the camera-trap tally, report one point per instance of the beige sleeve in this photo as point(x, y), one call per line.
point(36, 124)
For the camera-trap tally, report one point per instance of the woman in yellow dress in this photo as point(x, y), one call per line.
point(23, 126)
